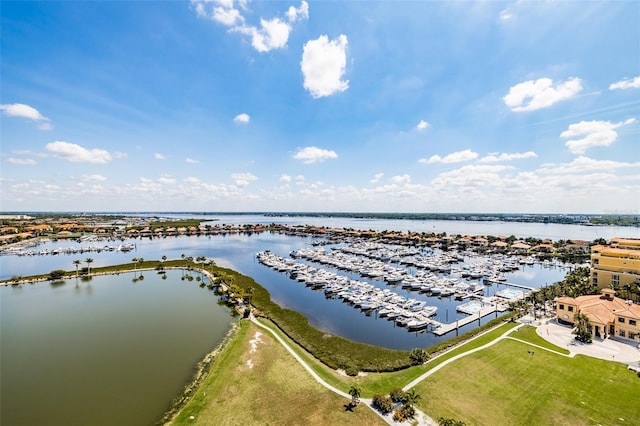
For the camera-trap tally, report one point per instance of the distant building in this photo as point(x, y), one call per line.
point(608, 315)
point(15, 217)
point(616, 265)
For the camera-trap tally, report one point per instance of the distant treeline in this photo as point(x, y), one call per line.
point(617, 220)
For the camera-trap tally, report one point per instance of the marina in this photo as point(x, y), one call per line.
point(443, 279)
point(433, 273)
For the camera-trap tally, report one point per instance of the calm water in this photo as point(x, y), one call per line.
point(238, 252)
point(110, 351)
point(103, 352)
point(451, 227)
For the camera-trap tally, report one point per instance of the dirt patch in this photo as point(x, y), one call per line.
point(254, 347)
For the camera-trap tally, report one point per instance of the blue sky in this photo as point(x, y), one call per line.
point(389, 106)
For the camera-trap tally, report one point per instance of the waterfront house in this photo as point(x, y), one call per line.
point(520, 247)
point(39, 229)
point(609, 315)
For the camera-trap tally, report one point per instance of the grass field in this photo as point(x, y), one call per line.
point(264, 385)
point(382, 383)
point(499, 385)
point(505, 385)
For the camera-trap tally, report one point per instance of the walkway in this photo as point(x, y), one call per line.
point(557, 334)
point(421, 418)
point(608, 349)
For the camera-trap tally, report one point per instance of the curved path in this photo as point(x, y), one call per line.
point(421, 418)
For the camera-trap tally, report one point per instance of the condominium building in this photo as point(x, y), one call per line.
point(617, 264)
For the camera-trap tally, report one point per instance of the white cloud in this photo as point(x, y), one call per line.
point(77, 154)
point(22, 161)
point(454, 157)
point(300, 13)
point(26, 111)
point(285, 178)
point(159, 156)
point(505, 15)
point(242, 118)
point(93, 178)
point(377, 177)
point(400, 180)
point(595, 133)
point(471, 176)
point(422, 125)
point(119, 154)
point(272, 33)
point(243, 179)
point(495, 157)
point(630, 83)
point(166, 180)
point(191, 161)
point(323, 65)
point(536, 94)
point(585, 164)
point(299, 180)
point(312, 154)
point(22, 110)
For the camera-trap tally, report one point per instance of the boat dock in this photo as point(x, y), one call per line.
point(439, 328)
point(486, 280)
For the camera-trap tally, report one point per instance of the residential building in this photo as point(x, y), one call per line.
point(616, 265)
point(608, 315)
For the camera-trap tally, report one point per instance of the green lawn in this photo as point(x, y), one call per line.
point(382, 383)
point(266, 386)
point(505, 385)
point(528, 333)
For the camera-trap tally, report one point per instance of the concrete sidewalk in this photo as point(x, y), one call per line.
point(608, 349)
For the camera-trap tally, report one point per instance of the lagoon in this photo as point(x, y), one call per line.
point(105, 351)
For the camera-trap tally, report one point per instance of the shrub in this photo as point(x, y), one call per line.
point(404, 413)
point(419, 356)
point(398, 395)
point(384, 404)
point(56, 274)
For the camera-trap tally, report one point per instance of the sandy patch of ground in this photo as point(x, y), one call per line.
point(254, 347)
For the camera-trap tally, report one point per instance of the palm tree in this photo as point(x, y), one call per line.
point(354, 391)
point(77, 263)
point(411, 397)
point(583, 328)
point(248, 294)
point(89, 262)
point(135, 266)
point(140, 260)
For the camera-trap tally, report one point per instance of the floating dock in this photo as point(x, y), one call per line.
point(439, 328)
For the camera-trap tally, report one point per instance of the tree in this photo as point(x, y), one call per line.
point(248, 295)
point(411, 397)
point(56, 274)
point(135, 266)
point(419, 356)
point(384, 404)
point(77, 263)
point(354, 391)
point(450, 422)
point(583, 328)
point(89, 262)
